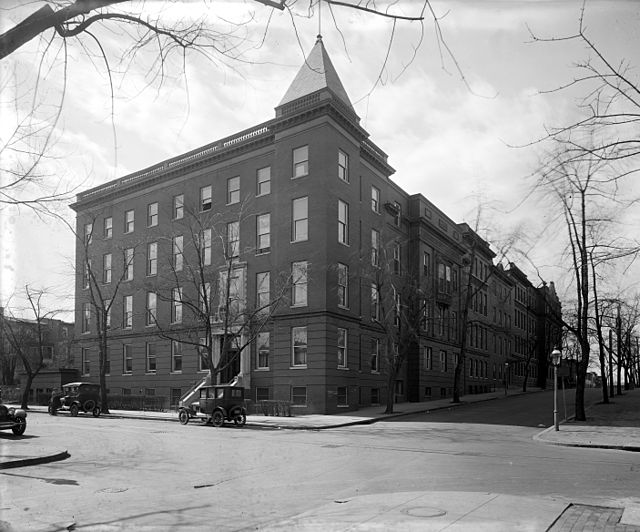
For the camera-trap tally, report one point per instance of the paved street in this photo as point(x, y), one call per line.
point(154, 475)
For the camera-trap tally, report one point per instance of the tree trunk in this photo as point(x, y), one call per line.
point(391, 379)
point(102, 362)
point(25, 393)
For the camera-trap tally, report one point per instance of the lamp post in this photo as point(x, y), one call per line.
point(555, 360)
point(506, 377)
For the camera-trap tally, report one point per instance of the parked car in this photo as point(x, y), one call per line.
point(76, 397)
point(216, 404)
point(13, 418)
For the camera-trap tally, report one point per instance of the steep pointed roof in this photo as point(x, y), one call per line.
point(316, 74)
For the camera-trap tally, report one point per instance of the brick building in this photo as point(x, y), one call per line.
point(307, 197)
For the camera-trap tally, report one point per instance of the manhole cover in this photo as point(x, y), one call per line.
point(424, 511)
point(112, 490)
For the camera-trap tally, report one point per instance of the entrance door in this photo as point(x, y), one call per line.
point(230, 365)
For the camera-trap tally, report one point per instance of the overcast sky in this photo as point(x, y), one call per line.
point(452, 143)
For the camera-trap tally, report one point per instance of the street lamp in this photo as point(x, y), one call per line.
point(506, 377)
point(556, 355)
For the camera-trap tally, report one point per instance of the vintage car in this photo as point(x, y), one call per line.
point(215, 404)
point(13, 418)
point(76, 397)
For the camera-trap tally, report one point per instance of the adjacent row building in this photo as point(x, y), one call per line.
point(305, 209)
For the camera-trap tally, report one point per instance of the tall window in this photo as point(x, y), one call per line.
point(299, 346)
point(375, 353)
point(178, 206)
point(178, 257)
point(444, 278)
point(106, 268)
point(86, 317)
point(299, 230)
point(233, 190)
point(86, 274)
point(152, 307)
point(129, 221)
point(152, 258)
point(375, 247)
point(343, 285)
point(343, 166)
point(263, 181)
point(151, 358)
point(108, 227)
point(127, 359)
point(443, 361)
point(86, 368)
point(263, 291)
point(233, 239)
point(301, 161)
point(263, 232)
point(427, 354)
point(299, 280)
point(127, 312)
point(205, 198)
point(426, 263)
point(299, 396)
point(107, 317)
point(205, 247)
point(263, 350)
point(343, 222)
point(397, 265)
point(396, 307)
point(176, 356)
point(397, 217)
point(375, 302)
point(128, 264)
point(375, 199)
point(205, 297)
point(342, 348)
point(152, 214)
point(176, 305)
point(88, 233)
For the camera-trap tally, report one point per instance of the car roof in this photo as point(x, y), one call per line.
point(80, 384)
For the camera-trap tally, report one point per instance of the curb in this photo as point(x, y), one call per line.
point(35, 461)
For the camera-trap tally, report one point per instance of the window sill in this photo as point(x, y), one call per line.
point(150, 373)
point(300, 305)
point(343, 307)
point(342, 406)
point(177, 372)
point(343, 368)
point(262, 369)
point(265, 251)
point(298, 241)
point(375, 372)
point(298, 367)
point(127, 374)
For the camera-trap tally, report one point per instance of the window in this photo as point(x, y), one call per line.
point(233, 190)
point(343, 222)
point(86, 367)
point(205, 247)
point(128, 264)
point(263, 231)
point(106, 268)
point(152, 214)
point(397, 217)
point(152, 307)
point(203, 363)
point(86, 317)
point(152, 258)
point(342, 348)
point(444, 278)
point(233, 240)
point(86, 274)
point(178, 257)
point(176, 305)
point(375, 302)
point(301, 161)
point(205, 198)
point(262, 393)
point(107, 317)
point(108, 227)
point(127, 359)
point(443, 361)
point(299, 346)
point(343, 285)
point(375, 396)
point(129, 221)
point(264, 181)
point(299, 280)
point(88, 233)
point(396, 258)
point(375, 354)
point(426, 263)
point(127, 312)
point(427, 354)
point(178, 207)
point(263, 350)
point(151, 358)
point(263, 291)
point(375, 199)
point(396, 307)
point(375, 247)
point(343, 166)
point(176, 356)
point(299, 396)
point(299, 231)
point(205, 297)
point(342, 396)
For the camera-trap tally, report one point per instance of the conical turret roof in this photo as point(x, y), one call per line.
point(317, 73)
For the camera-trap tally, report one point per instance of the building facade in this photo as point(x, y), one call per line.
point(299, 215)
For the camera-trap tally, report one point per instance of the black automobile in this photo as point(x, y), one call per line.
point(216, 404)
point(13, 418)
point(76, 397)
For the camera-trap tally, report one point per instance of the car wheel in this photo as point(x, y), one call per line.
point(73, 410)
point(217, 418)
point(183, 417)
point(19, 429)
point(51, 410)
point(240, 419)
point(96, 411)
point(89, 405)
